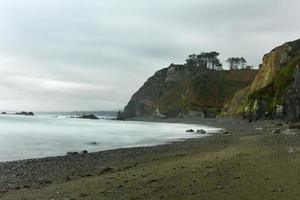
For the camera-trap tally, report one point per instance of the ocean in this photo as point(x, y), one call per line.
point(26, 137)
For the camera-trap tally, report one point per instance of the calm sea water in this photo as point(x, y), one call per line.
point(23, 137)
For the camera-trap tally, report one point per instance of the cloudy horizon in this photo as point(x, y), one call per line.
point(66, 55)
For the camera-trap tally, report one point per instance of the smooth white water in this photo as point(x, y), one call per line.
point(23, 137)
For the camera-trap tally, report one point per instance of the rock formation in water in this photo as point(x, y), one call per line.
point(25, 113)
point(181, 90)
point(275, 91)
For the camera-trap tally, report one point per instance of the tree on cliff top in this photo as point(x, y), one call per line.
point(249, 67)
point(237, 63)
point(205, 60)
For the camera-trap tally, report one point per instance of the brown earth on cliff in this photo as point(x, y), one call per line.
point(182, 90)
point(275, 89)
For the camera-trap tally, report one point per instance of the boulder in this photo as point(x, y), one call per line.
point(88, 117)
point(190, 131)
point(201, 131)
point(84, 152)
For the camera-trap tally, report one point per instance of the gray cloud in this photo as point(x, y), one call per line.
point(92, 55)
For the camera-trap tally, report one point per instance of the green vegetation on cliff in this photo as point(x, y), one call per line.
point(277, 76)
point(273, 93)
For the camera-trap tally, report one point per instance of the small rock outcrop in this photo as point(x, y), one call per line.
point(25, 113)
point(201, 131)
point(120, 116)
point(190, 131)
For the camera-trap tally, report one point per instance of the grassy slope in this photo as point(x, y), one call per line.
point(216, 88)
point(212, 89)
point(233, 167)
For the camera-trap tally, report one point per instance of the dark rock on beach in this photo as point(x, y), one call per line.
point(88, 117)
point(190, 131)
point(84, 152)
point(201, 131)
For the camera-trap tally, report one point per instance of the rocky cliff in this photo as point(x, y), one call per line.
point(181, 90)
point(275, 91)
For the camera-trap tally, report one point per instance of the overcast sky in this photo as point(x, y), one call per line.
point(94, 54)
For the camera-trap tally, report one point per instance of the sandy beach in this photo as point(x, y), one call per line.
point(249, 163)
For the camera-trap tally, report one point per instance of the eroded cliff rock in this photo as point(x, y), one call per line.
point(275, 89)
point(180, 91)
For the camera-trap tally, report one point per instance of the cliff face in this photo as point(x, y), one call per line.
point(275, 89)
point(181, 90)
